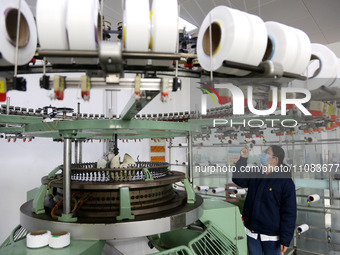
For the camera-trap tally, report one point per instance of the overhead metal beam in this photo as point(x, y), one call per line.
point(133, 106)
point(95, 54)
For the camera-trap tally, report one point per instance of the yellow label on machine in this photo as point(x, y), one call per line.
point(2, 87)
point(157, 158)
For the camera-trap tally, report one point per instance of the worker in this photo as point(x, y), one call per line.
point(269, 211)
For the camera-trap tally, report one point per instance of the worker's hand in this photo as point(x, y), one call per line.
point(283, 249)
point(245, 152)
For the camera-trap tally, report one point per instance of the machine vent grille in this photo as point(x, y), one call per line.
point(17, 234)
point(213, 242)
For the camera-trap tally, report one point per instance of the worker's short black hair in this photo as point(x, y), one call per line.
point(279, 153)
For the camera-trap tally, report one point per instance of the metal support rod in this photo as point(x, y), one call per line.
point(17, 41)
point(190, 171)
point(115, 149)
point(67, 53)
point(67, 176)
point(258, 69)
point(151, 84)
point(188, 55)
point(78, 111)
point(170, 146)
point(95, 54)
point(246, 67)
point(330, 140)
point(133, 106)
point(44, 65)
point(319, 207)
point(152, 55)
point(294, 76)
point(101, 19)
point(331, 193)
point(8, 102)
point(78, 152)
point(328, 90)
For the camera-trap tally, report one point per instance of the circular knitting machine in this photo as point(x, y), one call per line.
point(109, 203)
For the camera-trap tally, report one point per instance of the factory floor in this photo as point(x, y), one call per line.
point(306, 253)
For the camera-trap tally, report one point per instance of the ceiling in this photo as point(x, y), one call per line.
point(320, 19)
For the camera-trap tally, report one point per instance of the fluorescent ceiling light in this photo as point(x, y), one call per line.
point(188, 26)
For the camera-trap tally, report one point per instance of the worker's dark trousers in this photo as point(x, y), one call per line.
point(258, 247)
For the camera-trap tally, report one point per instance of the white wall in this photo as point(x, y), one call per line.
point(23, 164)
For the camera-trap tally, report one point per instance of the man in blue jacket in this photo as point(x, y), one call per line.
point(269, 212)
